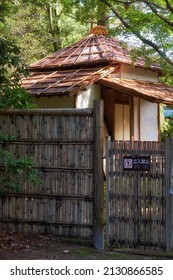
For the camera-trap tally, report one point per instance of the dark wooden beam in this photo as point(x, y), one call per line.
point(98, 212)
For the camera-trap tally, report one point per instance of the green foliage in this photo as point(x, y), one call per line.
point(166, 126)
point(88, 11)
point(15, 97)
point(16, 171)
point(166, 129)
point(6, 137)
point(11, 65)
point(42, 27)
point(12, 95)
point(150, 24)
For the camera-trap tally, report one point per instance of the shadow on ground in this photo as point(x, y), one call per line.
point(40, 247)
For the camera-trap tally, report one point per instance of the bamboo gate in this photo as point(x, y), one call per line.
point(66, 145)
point(139, 204)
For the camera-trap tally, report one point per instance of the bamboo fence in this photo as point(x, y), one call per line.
point(60, 142)
point(136, 206)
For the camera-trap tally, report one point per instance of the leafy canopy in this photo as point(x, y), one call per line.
point(12, 95)
point(151, 22)
point(41, 27)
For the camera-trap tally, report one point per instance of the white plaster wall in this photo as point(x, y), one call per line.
point(129, 72)
point(148, 121)
point(54, 102)
point(122, 122)
point(85, 98)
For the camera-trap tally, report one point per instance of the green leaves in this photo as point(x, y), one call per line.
point(151, 22)
point(6, 137)
point(16, 171)
point(12, 95)
point(15, 97)
point(166, 129)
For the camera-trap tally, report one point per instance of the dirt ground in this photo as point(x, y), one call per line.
point(41, 247)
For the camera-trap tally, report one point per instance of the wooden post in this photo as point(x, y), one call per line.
point(171, 208)
point(131, 103)
point(169, 196)
point(107, 189)
point(98, 211)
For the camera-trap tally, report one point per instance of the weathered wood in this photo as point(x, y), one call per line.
point(52, 142)
point(48, 112)
point(107, 190)
point(137, 198)
point(98, 223)
point(169, 196)
point(58, 197)
point(131, 101)
point(60, 142)
point(20, 221)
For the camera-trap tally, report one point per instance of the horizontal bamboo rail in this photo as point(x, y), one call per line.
point(49, 142)
point(60, 142)
point(20, 221)
point(136, 199)
point(48, 112)
point(43, 196)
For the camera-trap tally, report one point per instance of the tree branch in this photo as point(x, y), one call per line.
point(137, 33)
point(135, 1)
point(156, 12)
point(153, 7)
point(169, 6)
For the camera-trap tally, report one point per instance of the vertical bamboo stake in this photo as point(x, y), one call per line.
point(98, 209)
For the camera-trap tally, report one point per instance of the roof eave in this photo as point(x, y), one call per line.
point(134, 92)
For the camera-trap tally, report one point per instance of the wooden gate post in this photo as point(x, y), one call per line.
point(107, 189)
point(98, 205)
point(169, 192)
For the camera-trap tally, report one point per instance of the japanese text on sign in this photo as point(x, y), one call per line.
point(138, 163)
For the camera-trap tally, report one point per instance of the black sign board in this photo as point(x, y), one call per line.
point(138, 163)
